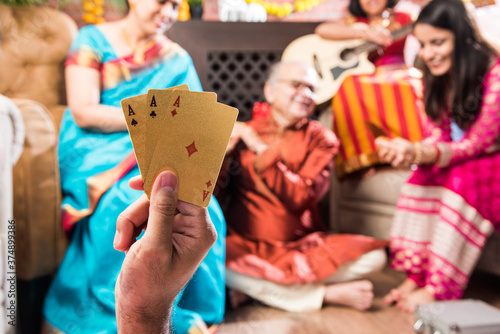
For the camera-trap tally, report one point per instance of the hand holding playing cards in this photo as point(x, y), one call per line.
point(157, 266)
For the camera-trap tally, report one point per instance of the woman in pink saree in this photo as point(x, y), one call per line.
point(449, 206)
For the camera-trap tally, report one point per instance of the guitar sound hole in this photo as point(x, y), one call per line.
point(347, 54)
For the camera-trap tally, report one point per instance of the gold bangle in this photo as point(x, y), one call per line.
point(418, 153)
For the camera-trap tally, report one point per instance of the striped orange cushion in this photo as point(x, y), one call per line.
point(391, 100)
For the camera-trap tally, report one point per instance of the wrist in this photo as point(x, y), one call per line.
point(435, 154)
point(417, 158)
point(138, 323)
point(430, 154)
point(145, 319)
point(362, 33)
point(439, 155)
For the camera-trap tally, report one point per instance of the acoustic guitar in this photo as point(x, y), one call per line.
point(334, 60)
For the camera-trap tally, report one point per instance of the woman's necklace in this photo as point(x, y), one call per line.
point(126, 38)
point(138, 51)
point(384, 20)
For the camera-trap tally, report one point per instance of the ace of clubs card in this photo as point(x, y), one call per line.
point(135, 110)
point(135, 116)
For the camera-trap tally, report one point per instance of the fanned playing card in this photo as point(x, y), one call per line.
point(193, 144)
point(135, 111)
point(183, 131)
point(156, 110)
point(159, 106)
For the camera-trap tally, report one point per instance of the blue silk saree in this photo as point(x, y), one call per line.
point(95, 168)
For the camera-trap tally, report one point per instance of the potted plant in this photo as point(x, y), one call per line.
point(195, 8)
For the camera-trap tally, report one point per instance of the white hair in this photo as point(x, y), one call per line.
point(275, 71)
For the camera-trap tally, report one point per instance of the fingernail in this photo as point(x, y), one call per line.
point(168, 181)
point(117, 238)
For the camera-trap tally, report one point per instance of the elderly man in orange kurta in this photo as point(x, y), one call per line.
point(278, 251)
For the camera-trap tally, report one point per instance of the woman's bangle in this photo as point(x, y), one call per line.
point(418, 153)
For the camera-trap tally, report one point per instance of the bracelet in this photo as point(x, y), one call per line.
point(418, 153)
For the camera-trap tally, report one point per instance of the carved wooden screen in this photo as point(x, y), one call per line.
point(238, 77)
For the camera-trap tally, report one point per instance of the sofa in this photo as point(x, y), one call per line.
point(34, 44)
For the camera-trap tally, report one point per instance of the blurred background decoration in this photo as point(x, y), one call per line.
point(94, 10)
point(284, 9)
point(23, 2)
point(195, 8)
point(275, 10)
point(184, 13)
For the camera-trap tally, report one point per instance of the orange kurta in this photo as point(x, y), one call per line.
point(274, 231)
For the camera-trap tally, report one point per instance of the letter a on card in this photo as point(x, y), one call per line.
point(134, 109)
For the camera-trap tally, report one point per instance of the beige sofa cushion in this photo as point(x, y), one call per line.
point(35, 41)
point(366, 205)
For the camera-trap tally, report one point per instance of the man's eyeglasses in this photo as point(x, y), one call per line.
point(299, 84)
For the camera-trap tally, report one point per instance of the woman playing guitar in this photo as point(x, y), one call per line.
point(376, 19)
point(388, 98)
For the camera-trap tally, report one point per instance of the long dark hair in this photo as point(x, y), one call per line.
point(356, 10)
point(471, 61)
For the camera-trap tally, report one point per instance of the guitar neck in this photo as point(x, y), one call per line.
point(405, 30)
point(396, 34)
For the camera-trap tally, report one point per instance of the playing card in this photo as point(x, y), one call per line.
point(158, 104)
point(134, 109)
point(135, 112)
point(193, 145)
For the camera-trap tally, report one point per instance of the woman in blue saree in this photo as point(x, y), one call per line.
point(107, 63)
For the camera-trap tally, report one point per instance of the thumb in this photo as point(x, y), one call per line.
point(162, 210)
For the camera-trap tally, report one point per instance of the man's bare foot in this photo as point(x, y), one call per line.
point(409, 303)
point(357, 294)
point(401, 291)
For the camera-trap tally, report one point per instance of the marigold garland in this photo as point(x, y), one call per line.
point(184, 14)
point(287, 8)
point(93, 11)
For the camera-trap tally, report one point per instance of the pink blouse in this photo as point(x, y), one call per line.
point(481, 137)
